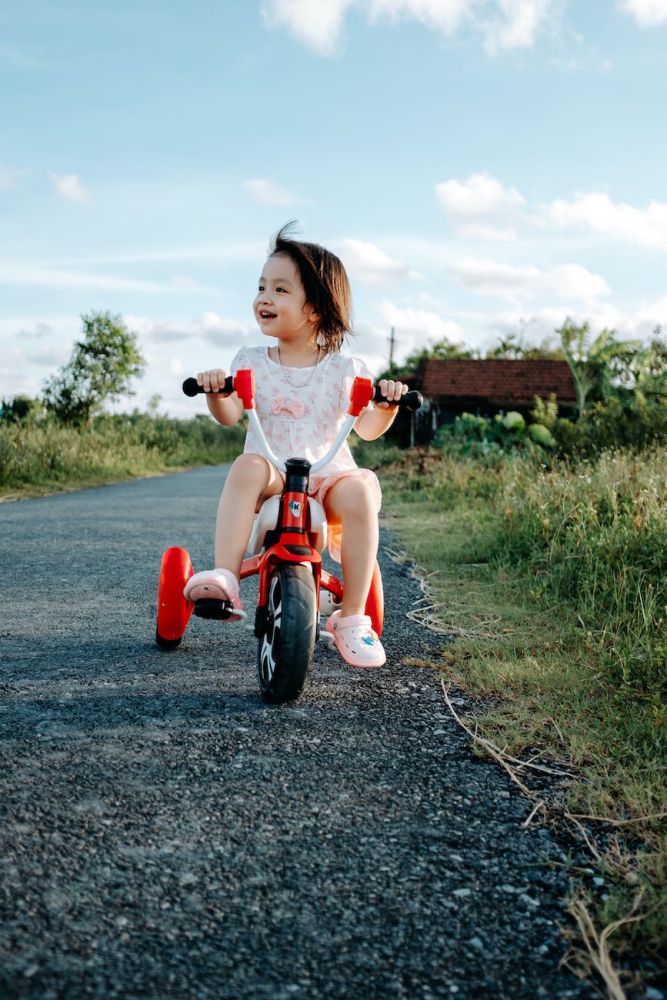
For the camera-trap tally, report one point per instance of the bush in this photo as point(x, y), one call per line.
point(631, 423)
point(20, 410)
point(480, 437)
point(594, 534)
point(49, 454)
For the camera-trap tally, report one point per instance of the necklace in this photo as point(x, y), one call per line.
point(289, 381)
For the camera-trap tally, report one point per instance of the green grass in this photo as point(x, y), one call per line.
point(552, 582)
point(47, 457)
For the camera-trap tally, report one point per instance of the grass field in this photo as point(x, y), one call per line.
point(552, 583)
point(46, 457)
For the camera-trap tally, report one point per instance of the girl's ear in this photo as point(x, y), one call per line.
point(312, 315)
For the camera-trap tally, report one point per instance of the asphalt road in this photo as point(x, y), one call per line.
point(165, 834)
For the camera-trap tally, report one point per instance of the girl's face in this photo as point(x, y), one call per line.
point(280, 304)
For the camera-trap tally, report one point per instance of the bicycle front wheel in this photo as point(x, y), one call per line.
point(286, 645)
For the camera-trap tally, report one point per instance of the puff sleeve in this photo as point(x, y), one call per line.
point(354, 367)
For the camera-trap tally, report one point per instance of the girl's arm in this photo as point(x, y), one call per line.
point(226, 410)
point(374, 422)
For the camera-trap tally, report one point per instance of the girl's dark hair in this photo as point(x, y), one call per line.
point(324, 281)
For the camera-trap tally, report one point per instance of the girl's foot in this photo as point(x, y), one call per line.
point(215, 594)
point(356, 641)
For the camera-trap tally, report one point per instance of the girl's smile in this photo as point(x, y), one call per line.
point(280, 304)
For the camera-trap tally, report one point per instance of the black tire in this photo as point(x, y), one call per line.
point(166, 644)
point(285, 648)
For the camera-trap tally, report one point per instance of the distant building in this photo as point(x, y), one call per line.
point(487, 387)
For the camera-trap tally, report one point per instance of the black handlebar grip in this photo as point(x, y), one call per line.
point(191, 387)
point(411, 401)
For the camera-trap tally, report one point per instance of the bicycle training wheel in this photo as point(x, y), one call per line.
point(285, 647)
point(173, 611)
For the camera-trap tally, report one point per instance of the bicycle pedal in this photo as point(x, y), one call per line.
point(211, 607)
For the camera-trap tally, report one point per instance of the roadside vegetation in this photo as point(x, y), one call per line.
point(44, 456)
point(543, 560)
point(66, 440)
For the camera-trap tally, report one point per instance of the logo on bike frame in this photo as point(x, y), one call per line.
point(295, 508)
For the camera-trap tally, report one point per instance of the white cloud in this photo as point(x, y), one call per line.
point(370, 265)
point(209, 327)
point(49, 357)
point(10, 177)
point(538, 326)
point(317, 25)
point(219, 330)
point(646, 12)
point(502, 24)
point(214, 252)
point(268, 193)
point(653, 314)
point(576, 282)
point(37, 330)
point(518, 24)
point(445, 16)
point(481, 207)
point(644, 226)
point(541, 324)
point(44, 277)
point(69, 186)
point(488, 277)
point(488, 234)
point(415, 326)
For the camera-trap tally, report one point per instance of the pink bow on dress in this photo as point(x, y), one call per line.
point(293, 406)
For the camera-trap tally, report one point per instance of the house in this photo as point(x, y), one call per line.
point(486, 387)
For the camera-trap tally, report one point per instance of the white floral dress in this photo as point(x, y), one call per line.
point(301, 411)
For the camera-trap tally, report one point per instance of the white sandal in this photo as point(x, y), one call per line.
point(215, 594)
point(356, 641)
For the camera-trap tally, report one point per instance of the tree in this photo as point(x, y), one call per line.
point(513, 347)
point(19, 410)
point(413, 365)
point(100, 369)
point(600, 368)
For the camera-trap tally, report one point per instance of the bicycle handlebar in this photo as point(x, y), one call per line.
point(361, 394)
point(411, 401)
point(191, 387)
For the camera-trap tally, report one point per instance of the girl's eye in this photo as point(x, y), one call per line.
point(281, 289)
point(261, 288)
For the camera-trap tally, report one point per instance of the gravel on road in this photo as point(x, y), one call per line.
point(166, 834)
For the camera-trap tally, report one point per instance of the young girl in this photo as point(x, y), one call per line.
point(302, 396)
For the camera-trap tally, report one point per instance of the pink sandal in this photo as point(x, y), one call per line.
point(215, 594)
point(356, 641)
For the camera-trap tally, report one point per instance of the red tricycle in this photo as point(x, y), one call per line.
point(284, 549)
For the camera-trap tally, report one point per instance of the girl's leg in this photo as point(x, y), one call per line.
point(250, 481)
point(351, 503)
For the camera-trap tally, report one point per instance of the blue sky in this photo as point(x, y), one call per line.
point(482, 167)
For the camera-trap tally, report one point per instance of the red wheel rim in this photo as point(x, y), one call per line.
point(173, 610)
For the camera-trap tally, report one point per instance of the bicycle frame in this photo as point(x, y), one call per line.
point(294, 543)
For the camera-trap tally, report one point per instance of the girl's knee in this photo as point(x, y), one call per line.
point(351, 497)
point(250, 469)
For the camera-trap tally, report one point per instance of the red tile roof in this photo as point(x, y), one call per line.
point(498, 381)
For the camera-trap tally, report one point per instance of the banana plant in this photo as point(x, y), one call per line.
point(601, 368)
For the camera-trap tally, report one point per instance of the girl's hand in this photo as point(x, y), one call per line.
point(212, 380)
point(392, 392)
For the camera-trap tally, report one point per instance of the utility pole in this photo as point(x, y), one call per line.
point(392, 340)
